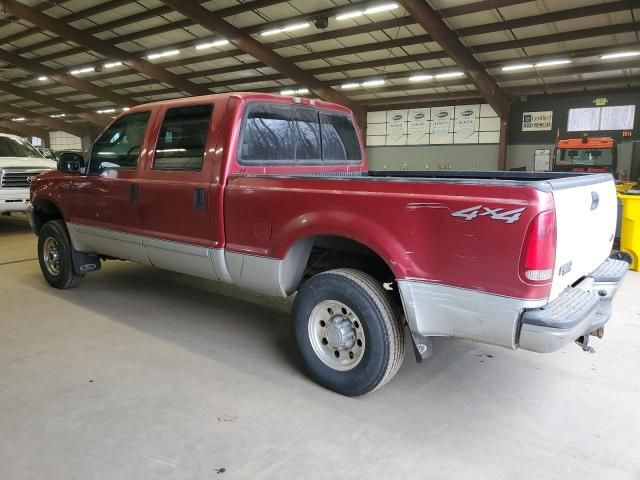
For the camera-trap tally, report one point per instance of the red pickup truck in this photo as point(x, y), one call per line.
point(272, 194)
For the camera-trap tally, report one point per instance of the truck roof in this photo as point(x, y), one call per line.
point(10, 135)
point(242, 96)
point(591, 142)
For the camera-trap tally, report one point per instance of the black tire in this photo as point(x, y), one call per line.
point(382, 331)
point(624, 256)
point(63, 276)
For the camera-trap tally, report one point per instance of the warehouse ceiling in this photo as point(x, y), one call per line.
point(72, 65)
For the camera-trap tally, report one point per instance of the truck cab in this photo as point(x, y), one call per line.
point(586, 154)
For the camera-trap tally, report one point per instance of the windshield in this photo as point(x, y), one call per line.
point(584, 156)
point(16, 147)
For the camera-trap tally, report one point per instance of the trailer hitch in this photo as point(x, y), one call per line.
point(583, 342)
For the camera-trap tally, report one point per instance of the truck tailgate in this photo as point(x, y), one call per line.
point(586, 222)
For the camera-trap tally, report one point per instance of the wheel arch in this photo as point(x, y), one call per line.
point(45, 210)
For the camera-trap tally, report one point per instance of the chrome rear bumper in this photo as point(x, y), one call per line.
point(580, 310)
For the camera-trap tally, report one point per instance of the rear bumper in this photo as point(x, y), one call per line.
point(536, 325)
point(580, 310)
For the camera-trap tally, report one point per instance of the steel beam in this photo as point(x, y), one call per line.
point(427, 17)
point(485, 48)
point(22, 129)
point(65, 79)
point(502, 143)
point(46, 120)
point(215, 24)
point(104, 48)
point(437, 99)
point(45, 100)
point(139, 17)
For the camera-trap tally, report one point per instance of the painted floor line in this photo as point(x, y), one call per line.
point(11, 262)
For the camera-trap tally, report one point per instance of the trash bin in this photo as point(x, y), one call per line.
point(624, 186)
point(630, 231)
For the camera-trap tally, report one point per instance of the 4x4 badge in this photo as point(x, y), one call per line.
point(509, 216)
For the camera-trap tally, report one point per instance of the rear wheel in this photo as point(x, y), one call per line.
point(54, 256)
point(347, 331)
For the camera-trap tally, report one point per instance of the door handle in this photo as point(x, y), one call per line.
point(199, 199)
point(134, 193)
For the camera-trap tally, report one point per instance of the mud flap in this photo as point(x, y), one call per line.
point(422, 347)
point(85, 262)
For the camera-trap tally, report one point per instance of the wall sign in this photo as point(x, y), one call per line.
point(465, 123)
point(440, 122)
point(419, 126)
point(537, 121)
point(447, 125)
point(396, 127)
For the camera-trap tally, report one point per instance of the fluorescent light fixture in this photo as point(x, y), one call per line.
point(19, 119)
point(125, 109)
point(112, 64)
point(420, 77)
point(215, 43)
point(348, 15)
point(384, 7)
point(166, 53)
point(172, 150)
point(373, 83)
point(551, 63)
point(42, 78)
point(106, 110)
point(82, 70)
point(369, 83)
point(297, 26)
point(271, 32)
point(58, 115)
point(449, 75)
point(519, 66)
point(294, 91)
point(289, 28)
point(609, 56)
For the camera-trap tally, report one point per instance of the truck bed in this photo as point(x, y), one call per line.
point(477, 175)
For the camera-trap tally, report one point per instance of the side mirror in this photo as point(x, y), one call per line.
point(70, 162)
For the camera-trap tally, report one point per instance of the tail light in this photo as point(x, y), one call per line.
point(539, 253)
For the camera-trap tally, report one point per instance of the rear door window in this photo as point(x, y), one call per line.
point(182, 138)
point(268, 135)
point(277, 134)
point(339, 139)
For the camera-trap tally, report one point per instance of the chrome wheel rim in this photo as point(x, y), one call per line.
point(51, 255)
point(336, 335)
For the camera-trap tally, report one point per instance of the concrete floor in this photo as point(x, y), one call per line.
point(144, 374)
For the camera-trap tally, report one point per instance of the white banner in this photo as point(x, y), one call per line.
point(440, 122)
point(418, 126)
point(537, 121)
point(396, 127)
point(465, 123)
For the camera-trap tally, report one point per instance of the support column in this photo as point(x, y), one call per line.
point(502, 146)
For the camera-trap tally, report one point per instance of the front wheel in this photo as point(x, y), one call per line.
point(347, 331)
point(54, 256)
